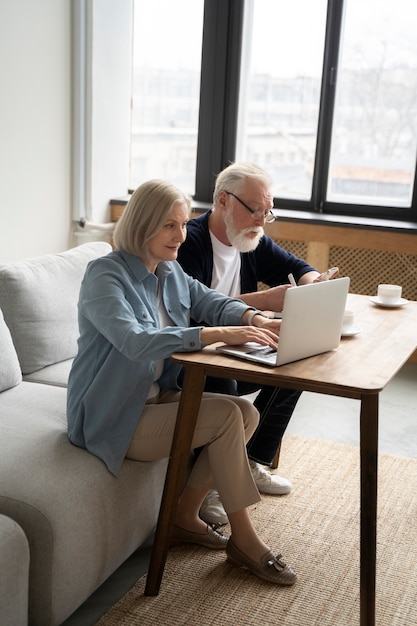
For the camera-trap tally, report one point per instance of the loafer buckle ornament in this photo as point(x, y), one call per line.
point(277, 562)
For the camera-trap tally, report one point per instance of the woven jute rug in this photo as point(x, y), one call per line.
point(316, 527)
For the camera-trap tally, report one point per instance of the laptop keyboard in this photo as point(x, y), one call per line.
point(266, 351)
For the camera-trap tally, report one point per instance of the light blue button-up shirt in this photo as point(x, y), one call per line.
point(121, 340)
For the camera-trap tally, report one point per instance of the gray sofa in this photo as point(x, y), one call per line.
point(80, 522)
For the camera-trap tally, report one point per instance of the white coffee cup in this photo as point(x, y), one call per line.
point(348, 321)
point(389, 294)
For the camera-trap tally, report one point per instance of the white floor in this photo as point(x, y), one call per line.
point(318, 417)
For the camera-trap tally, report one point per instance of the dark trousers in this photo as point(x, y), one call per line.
point(275, 406)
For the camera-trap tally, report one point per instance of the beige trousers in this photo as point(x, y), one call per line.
point(224, 426)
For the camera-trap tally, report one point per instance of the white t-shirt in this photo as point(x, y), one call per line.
point(226, 268)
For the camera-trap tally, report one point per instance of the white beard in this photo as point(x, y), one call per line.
point(239, 238)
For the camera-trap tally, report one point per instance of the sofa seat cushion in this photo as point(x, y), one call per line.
point(82, 523)
point(10, 373)
point(56, 374)
point(39, 298)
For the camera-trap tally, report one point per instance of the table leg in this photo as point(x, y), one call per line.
point(368, 504)
point(194, 379)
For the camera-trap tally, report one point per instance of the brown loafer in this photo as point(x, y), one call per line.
point(213, 539)
point(271, 568)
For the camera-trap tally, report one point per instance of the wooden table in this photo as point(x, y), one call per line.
point(360, 368)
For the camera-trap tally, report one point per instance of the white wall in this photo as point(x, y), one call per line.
point(37, 204)
point(35, 119)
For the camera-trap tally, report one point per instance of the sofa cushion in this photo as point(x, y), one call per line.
point(10, 374)
point(55, 374)
point(39, 300)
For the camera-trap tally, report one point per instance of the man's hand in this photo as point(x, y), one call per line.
point(327, 275)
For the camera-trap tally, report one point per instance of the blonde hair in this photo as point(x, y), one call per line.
point(234, 176)
point(145, 215)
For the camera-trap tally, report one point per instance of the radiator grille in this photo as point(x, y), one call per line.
point(298, 248)
point(368, 268)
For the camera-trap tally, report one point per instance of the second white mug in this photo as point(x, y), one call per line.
point(348, 321)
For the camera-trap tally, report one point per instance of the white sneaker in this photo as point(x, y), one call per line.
point(269, 483)
point(212, 511)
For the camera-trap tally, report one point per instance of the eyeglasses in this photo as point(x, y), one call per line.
point(268, 216)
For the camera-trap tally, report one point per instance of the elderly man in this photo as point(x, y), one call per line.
point(226, 249)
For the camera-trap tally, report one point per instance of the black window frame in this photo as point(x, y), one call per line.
point(218, 117)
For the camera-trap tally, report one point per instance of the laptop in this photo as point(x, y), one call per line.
point(311, 324)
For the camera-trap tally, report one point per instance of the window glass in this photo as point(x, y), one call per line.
point(167, 42)
point(374, 138)
point(280, 91)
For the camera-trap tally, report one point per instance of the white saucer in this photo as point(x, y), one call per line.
point(352, 331)
point(377, 301)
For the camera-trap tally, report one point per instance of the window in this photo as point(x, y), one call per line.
point(373, 145)
point(322, 94)
point(279, 100)
point(167, 46)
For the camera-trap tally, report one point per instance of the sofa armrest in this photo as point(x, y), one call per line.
point(14, 573)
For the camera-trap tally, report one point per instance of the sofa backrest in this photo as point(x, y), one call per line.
point(10, 373)
point(39, 299)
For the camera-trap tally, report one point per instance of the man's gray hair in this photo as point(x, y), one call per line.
point(234, 176)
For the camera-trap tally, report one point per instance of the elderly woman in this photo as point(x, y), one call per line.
point(135, 308)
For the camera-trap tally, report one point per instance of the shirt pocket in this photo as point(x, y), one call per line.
point(179, 309)
point(142, 315)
